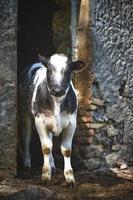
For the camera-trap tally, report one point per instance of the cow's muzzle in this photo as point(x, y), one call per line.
point(57, 92)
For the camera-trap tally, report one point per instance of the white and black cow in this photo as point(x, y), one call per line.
point(51, 99)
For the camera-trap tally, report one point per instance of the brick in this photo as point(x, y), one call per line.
point(97, 102)
point(85, 119)
point(92, 125)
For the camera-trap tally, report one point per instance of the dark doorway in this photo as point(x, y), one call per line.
point(34, 36)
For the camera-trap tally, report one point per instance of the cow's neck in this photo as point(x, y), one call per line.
point(57, 101)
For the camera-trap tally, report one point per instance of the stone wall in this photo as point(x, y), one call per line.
point(8, 85)
point(110, 140)
point(104, 134)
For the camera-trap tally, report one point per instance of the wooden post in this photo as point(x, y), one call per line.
point(81, 49)
point(73, 27)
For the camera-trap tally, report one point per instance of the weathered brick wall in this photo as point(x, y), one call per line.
point(112, 54)
point(104, 134)
point(8, 85)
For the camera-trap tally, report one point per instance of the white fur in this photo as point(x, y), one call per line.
point(68, 168)
point(42, 131)
point(59, 121)
point(39, 77)
point(58, 77)
point(62, 122)
point(35, 65)
point(66, 144)
point(46, 140)
point(59, 62)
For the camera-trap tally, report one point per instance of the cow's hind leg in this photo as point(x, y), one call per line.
point(66, 146)
point(52, 163)
point(46, 144)
point(26, 139)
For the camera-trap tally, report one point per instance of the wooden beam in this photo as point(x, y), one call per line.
point(83, 80)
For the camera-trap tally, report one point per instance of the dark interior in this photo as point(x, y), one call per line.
point(34, 36)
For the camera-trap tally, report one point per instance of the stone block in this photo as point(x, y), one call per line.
point(8, 85)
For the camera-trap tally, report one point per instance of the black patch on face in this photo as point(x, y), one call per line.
point(70, 102)
point(66, 78)
point(50, 75)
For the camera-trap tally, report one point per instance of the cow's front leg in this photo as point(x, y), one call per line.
point(46, 144)
point(66, 146)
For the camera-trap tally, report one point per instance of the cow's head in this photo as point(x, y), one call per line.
point(59, 73)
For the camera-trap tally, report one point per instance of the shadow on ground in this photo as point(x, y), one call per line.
point(90, 186)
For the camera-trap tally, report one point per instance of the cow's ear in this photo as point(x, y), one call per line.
point(43, 60)
point(78, 66)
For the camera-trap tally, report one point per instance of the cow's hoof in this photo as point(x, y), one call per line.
point(71, 184)
point(46, 178)
point(46, 173)
point(70, 180)
point(45, 182)
point(26, 173)
point(27, 163)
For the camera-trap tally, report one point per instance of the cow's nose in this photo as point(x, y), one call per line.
point(58, 92)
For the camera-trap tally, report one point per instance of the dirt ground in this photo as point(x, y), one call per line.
point(98, 185)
